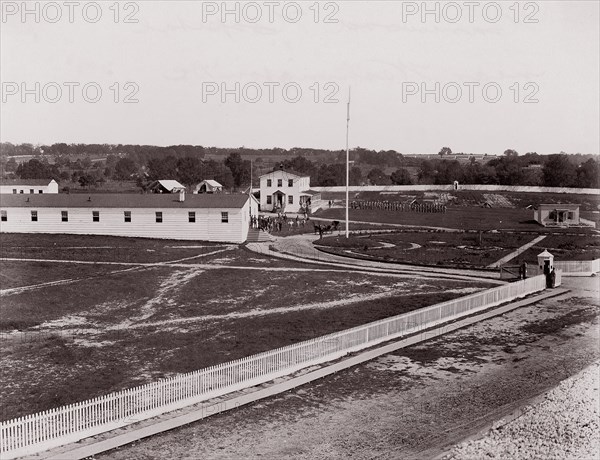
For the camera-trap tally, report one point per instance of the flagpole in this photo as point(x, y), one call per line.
point(347, 164)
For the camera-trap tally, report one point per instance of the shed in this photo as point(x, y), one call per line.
point(30, 186)
point(557, 215)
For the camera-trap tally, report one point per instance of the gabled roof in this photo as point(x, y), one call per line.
point(212, 183)
point(560, 207)
point(170, 184)
point(287, 172)
point(25, 181)
point(310, 192)
point(122, 200)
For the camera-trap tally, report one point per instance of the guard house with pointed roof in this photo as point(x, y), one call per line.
point(286, 191)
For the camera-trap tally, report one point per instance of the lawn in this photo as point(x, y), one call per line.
point(448, 249)
point(475, 198)
point(100, 248)
point(458, 250)
point(567, 247)
point(16, 274)
point(459, 218)
point(109, 330)
point(454, 218)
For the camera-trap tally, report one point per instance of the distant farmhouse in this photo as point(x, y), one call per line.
point(206, 217)
point(208, 186)
point(22, 186)
point(166, 186)
point(557, 215)
point(285, 191)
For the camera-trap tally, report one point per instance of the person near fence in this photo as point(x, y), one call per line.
point(521, 271)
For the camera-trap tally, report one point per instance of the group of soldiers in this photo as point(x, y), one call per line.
point(549, 273)
point(277, 224)
point(397, 206)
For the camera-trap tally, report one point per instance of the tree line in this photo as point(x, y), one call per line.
point(92, 164)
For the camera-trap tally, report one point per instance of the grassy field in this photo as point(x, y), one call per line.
point(101, 248)
point(566, 247)
point(458, 250)
point(108, 250)
point(101, 328)
point(467, 198)
point(455, 218)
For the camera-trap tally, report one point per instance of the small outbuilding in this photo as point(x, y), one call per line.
point(208, 186)
point(557, 215)
point(29, 186)
point(545, 262)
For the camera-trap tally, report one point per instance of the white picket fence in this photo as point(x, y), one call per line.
point(42, 431)
point(578, 267)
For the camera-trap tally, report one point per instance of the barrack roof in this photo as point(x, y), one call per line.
point(25, 181)
point(122, 200)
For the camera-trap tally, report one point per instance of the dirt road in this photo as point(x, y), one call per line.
point(410, 404)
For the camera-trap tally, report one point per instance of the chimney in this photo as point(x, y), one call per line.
point(181, 196)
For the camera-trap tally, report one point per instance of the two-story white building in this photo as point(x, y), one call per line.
point(285, 191)
point(29, 186)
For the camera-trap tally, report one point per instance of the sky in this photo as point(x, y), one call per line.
point(478, 77)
